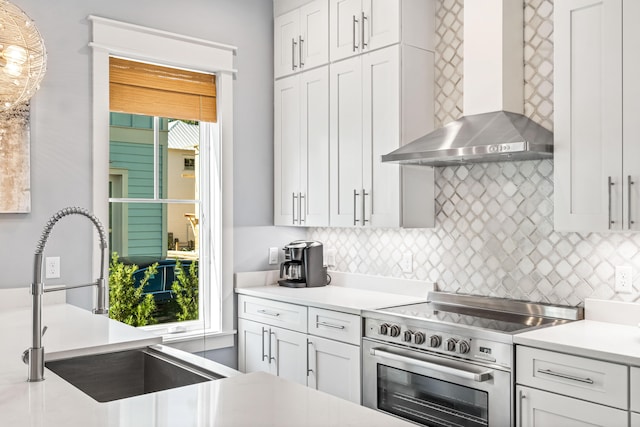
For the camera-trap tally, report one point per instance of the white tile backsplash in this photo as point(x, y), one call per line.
point(494, 222)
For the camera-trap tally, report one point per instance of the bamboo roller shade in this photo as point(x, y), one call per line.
point(152, 90)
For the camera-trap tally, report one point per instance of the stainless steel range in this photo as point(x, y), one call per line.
point(449, 361)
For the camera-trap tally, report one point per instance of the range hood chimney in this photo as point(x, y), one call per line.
point(493, 127)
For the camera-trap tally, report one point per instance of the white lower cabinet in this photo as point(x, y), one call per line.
point(557, 389)
point(334, 367)
point(325, 355)
point(271, 349)
point(543, 409)
point(635, 419)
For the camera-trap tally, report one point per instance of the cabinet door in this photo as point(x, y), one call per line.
point(334, 368)
point(588, 115)
point(345, 101)
point(542, 409)
point(381, 135)
point(344, 28)
point(314, 140)
point(635, 419)
point(381, 23)
point(286, 33)
point(287, 151)
point(289, 352)
point(631, 112)
point(253, 343)
point(314, 34)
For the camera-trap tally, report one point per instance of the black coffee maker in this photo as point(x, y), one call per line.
point(303, 265)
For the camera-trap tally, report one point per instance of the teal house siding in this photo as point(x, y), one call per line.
point(131, 153)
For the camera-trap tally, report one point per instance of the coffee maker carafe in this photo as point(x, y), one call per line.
point(303, 265)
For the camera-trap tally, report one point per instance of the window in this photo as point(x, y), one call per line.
point(118, 39)
point(154, 216)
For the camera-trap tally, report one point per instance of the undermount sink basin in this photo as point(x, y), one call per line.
point(118, 375)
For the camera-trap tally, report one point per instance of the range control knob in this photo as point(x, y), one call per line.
point(395, 330)
point(450, 344)
point(418, 338)
point(406, 336)
point(463, 347)
point(383, 329)
point(435, 341)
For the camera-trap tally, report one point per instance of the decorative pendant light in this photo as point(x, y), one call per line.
point(23, 59)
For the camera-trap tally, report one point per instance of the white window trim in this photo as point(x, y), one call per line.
point(115, 38)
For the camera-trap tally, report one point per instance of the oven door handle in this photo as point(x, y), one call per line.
point(469, 375)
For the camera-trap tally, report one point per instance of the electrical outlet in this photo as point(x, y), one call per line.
point(273, 256)
point(52, 267)
point(331, 258)
point(406, 263)
point(623, 279)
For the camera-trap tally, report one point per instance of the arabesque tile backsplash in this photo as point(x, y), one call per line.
point(494, 222)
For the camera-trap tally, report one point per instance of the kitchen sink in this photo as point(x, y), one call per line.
point(118, 375)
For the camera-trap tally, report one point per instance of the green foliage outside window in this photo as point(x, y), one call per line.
point(185, 289)
point(127, 304)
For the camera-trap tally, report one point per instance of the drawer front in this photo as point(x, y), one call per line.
point(335, 325)
point(592, 380)
point(282, 314)
point(635, 390)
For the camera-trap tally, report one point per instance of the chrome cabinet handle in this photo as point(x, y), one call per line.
point(293, 207)
point(565, 376)
point(355, 207)
point(270, 340)
point(302, 208)
point(263, 355)
point(364, 207)
point(450, 370)
point(521, 396)
point(609, 185)
point(300, 41)
point(309, 370)
point(293, 54)
point(362, 19)
point(269, 313)
point(353, 34)
point(630, 182)
point(329, 325)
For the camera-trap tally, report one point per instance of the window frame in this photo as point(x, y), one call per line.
point(116, 38)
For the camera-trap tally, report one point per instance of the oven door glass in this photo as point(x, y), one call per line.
point(430, 401)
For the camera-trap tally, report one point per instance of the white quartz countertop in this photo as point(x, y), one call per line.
point(348, 292)
point(345, 299)
point(599, 340)
point(257, 399)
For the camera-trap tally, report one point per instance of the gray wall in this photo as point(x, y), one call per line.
point(61, 128)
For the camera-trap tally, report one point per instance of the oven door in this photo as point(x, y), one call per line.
point(432, 390)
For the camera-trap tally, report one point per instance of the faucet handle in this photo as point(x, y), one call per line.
point(44, 329)
point(25, 356)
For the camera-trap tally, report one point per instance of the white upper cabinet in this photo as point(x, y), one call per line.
point(301, 38)
point(368, 94)
point(597, 102)
point(301, 149)
point(358, 26)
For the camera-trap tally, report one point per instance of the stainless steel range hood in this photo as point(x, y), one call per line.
point(488, 137)
point(493, 128)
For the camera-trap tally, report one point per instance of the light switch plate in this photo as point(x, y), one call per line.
point(273, 256)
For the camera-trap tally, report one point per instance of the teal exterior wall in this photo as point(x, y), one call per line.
point(131, 153)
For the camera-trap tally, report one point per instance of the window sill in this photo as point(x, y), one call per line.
point(196, 341)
